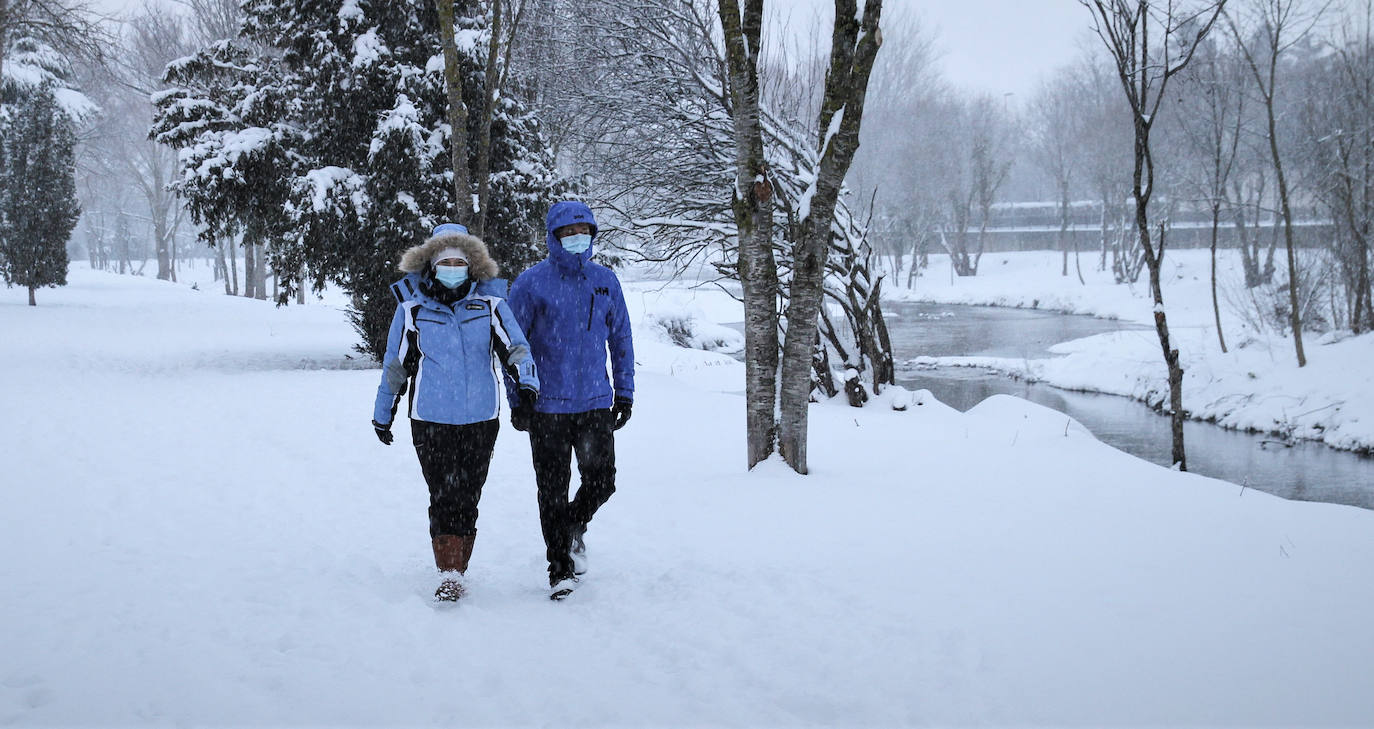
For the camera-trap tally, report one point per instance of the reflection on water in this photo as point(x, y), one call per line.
point(934, 330)
point(1305, 471)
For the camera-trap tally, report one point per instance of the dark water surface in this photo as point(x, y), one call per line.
point(1304, 471)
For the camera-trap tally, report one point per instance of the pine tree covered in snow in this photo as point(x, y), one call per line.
point(323, 129)
point(230, 119)
point(38, 204)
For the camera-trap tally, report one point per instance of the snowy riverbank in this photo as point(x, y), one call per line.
point(1256, 386)
point(201, 529)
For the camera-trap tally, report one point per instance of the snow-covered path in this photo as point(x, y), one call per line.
point(200, 528)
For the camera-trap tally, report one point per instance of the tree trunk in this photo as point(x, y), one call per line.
point(250, 269)
point(491, 91)
point(1294, 314)
point(1078, 263)
point(224, 269)
point(233, 267)
point(260, 261)
point(124, 255)
point(32, 301)
point(1102, 265)
point(1249, 256)
point(842, 106)
point(884, 368)
point(164, 256)
point(1364, 291)
point(1216, 306)
point(753, 208)
point(1064, 224)
point(1171, 358)
point(982, 237)
point(457, 114)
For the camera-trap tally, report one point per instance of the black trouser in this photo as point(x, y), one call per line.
point(454, 459)
point(553, 439)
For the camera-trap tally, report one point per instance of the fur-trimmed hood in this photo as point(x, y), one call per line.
point(481, 267)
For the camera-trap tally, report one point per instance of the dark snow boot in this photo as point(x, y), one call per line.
point(451, 556)
point(563, 586)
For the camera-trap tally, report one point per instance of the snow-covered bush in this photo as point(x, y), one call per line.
point(1264, 309)
point(689, 328)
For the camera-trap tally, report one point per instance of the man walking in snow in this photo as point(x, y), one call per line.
point(573, 311)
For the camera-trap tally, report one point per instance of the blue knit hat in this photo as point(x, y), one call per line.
point(448, 229)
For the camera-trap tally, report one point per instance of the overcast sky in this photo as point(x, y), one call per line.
point(993, 46)
point(1001, 46)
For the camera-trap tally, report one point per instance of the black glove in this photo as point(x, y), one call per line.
point(383, 432)
point(522, 414)
point(621, 411)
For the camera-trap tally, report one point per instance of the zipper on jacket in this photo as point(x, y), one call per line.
point(591, 307)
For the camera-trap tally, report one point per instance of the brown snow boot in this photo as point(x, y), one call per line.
point(451, 555)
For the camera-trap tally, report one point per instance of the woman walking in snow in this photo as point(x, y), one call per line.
point(452, 317)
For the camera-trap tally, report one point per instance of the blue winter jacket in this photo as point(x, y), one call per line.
point(442, 355)
point(573, 311)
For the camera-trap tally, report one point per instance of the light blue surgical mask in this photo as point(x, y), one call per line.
point(451, 276)
point(577, 243)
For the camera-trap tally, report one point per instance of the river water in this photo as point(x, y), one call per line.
point(1305, 471)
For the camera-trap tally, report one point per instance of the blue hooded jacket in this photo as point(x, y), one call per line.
point(572, 310)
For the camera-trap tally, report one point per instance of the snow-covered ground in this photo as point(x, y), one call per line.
point(199, 528)
point(1256, 386)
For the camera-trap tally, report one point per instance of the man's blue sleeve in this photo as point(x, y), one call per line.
point(521, 307)
point(622, 346)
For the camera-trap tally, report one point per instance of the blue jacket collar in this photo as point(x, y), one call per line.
point(564, 213)
point(565, 261)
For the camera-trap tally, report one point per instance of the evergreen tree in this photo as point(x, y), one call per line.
point(230, 116)
point(38, 206)
point(348, 103)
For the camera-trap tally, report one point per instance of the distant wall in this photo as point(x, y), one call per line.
point(1306, 235)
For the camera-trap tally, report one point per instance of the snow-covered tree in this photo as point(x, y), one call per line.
point(1055, 130)
point(38, 206)
point(813, 214)
point(655, 138)
point(1211, 120)
point(322, 129)
point(1277, 26)
point(1144, 68)
point(901, 136)
point(116, 158)
point(1338, 155)
point(68, 27)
